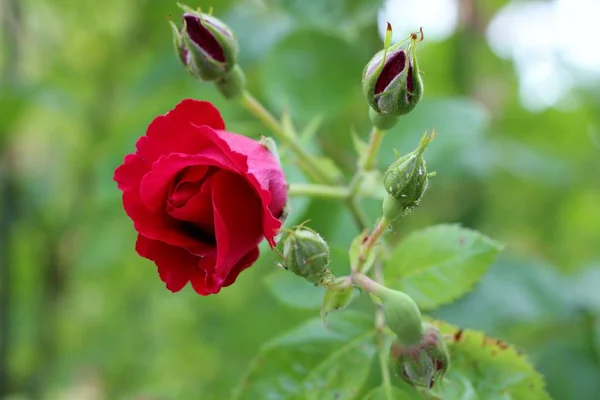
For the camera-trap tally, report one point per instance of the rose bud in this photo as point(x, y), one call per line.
point(206, 46)
point(306, 254)
point(425, 363)
point(201, 198)
point(392, 81)
point(406, 181)
point(402, 314)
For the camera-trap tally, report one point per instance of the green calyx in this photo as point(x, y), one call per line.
point(306, 254)
point(392, 82)
point(425, 363)
point(406, 181)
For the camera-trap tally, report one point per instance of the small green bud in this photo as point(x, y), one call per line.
point(206, 46)
point(402, 316)
point(391, 81)
point(306, 254)
point(425, 363)
point(406, 181)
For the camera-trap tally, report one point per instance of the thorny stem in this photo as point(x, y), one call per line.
point(369, 244)
point(305, 160)
point(379, 327)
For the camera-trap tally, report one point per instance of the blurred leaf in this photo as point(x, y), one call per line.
point(313, 362)
point(329, 168)
point(379, 394)
point(585, 288)
point(459, 146)
point(293, 291)
point(12, 105)
point(526, 163)
point(439, 264)
point(311, 73)
point(530, 291)
point(484, 368)
point(345, 16)
point(246, 18)
point(360, 147)
point(310, 130)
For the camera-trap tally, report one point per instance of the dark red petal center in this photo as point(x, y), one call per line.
point(203, 38)
point(190, 202)
point(394, 65)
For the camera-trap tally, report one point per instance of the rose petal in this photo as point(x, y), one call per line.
point(157, 184)
point(205, 282)
point(153, 225)
point(198, 208)
point(244, 263)
point(174, 132)
point(264, 173)
point(237, 211)
point(175, 265)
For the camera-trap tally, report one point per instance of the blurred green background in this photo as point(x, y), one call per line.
point(83, 317)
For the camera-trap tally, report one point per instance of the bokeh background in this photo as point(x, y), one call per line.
point(513, 89)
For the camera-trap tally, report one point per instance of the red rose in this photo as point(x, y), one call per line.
point(201, 198)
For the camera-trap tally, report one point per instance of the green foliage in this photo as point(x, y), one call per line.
point(82, 81)
point(380, 394)
point(287, 84)
point(313, 361)
point(439, 264)
point(484, 368)
point(293, 291)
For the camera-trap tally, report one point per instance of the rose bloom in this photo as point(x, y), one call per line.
point(201, 198)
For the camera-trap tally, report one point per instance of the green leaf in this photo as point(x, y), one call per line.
point(341, 16)
point(314, 362)
point(397, 394)
point(439, 264)
point(460, 147)
point(484, 368)
point(360, 146)
point(329, 167)
point(308, 62)
point(293, 291)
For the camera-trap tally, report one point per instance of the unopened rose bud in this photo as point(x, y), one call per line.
point(306, 254)
point(206, 46)
point(425, 363)
point(406, 181)
point(402, 315)
point(392, 81)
